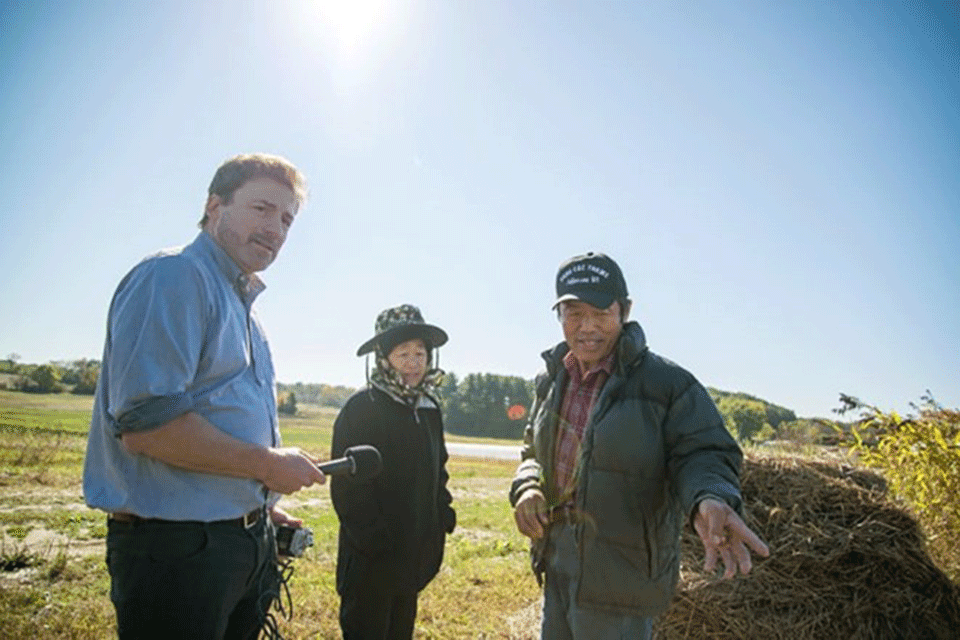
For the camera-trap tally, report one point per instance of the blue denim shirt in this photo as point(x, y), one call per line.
point(181, 336)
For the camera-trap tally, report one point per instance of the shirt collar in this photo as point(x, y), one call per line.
point(573, 367)
point(248, 286)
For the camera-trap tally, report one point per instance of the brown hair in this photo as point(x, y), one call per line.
point(238, 170)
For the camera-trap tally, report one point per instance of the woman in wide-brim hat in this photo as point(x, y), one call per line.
point(393, 527)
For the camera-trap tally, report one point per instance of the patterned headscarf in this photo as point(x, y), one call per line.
point(388, 379)
point(393, 327)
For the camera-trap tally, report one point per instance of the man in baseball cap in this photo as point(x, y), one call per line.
point(622, 448)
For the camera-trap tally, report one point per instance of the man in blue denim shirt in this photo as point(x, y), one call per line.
point(184, 450)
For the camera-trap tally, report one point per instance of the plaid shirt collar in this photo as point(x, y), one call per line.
point(572, 365)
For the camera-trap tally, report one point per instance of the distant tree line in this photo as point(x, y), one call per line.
point(749, 418)
point(485, 404)
point(324, 395)
point(479, 404)
point(75, 376)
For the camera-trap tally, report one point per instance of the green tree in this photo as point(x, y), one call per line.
point(744, 418)
point(452, 404)
point(10, 365)
point(481, 405)
point(287, 405)
point(82, 374)
point(87, 383)
point(47, 378)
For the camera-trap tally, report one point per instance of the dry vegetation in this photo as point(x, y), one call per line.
point(846, 563)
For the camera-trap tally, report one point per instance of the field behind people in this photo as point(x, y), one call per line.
point(848, 561)
point(54, 584)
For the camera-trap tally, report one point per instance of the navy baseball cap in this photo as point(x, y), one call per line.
point(593, 278)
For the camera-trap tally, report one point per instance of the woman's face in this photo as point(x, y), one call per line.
point(410, 361)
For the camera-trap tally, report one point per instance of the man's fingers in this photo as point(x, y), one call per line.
point(710, 559)
point(534, 526)
point(751, 539)
point(542, 517)
point(758, 545)
point(522, 519)
point(729, 565)
point(726, 537)
point(709, 522)
point(742, 559)
point(292, 469)
point(530, 514)
point(530, 527)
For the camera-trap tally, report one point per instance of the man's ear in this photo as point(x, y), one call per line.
point(625, 312)
point(212, 210)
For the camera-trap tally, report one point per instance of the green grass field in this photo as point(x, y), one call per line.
point(60, 411)
point(53, 582)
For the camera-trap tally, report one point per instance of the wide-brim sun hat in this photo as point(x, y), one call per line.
point(399, 324)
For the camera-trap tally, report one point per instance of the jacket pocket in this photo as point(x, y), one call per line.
point(352, 567)
point(619, 578)
point(431, 557)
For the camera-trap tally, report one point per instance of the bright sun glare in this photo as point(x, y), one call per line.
point(357, 26)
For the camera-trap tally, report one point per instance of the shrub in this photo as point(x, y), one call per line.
point(47, 378)
point(920, 458)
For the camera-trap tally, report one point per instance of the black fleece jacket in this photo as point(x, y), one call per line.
point(396, 523)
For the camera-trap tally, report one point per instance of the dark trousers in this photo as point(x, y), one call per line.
point(563, 618)
point(370, 609)
point(191, 580)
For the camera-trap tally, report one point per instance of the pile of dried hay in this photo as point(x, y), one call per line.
point(845, 563)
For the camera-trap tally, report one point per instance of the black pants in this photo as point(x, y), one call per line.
point(372, 608)
point(191, 580)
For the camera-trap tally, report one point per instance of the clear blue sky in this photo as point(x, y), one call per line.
point(780, 181)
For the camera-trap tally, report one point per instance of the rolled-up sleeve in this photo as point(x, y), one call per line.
point(157, 335)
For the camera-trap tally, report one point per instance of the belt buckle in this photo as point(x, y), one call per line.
point(250, 519)
point(123, 518)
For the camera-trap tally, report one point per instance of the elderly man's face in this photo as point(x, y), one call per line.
point(591, 333)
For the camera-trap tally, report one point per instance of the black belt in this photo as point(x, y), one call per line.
point(244, 522)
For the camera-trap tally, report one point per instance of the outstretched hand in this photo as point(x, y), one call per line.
point(726, 536)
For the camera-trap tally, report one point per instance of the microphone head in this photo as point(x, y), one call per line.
point(367, 462)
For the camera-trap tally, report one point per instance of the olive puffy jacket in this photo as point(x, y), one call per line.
point(654, 447)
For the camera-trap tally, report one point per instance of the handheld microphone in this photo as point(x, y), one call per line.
point(362, 462)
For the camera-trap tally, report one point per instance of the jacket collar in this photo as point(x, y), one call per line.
point(631, 347)
point(424, 400)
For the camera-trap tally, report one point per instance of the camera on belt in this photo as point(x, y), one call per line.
point(293, 541)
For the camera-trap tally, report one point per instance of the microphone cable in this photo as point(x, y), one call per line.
point(270, 629)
